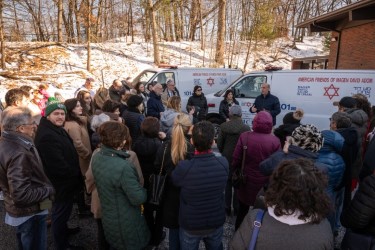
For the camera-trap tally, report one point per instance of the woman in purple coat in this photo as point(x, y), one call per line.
point(260, 145)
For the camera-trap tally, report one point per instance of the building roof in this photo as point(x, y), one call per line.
point(359, 13)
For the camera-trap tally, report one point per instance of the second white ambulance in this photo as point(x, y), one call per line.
point(312, 90)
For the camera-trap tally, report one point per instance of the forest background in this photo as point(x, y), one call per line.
point(223, 29)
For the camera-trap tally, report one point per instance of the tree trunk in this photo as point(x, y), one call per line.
point(201, 28)
point(78, 24)
point(131, 20)
point(219, 56)
point(154, 33)
point(98, 29)
point(181, 10)
point(193, 19)
point(59, 20)
point(69, 23)
point(2, 36)
point(18, 32)
point(88, 34)
point(176, 21)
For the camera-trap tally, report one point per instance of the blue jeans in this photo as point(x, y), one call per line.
point(174, 239)
point(212, 241)
point(32, 234)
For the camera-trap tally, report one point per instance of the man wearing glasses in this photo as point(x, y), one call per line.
point(169, 91)
point(266, 102)
point(27, 190)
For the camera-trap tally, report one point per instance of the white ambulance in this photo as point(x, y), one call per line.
point(314, 91)
point(211, 80)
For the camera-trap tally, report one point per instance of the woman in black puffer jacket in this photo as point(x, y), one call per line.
point(199, 102)
point(360, 215)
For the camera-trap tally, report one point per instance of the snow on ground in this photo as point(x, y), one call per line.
point(64, 66)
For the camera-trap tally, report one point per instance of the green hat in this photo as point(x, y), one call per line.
point(52, 105)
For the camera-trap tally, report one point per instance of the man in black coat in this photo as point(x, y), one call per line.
point(266, 102)
point(154, 104)
point(61, 165)
point(341, 123)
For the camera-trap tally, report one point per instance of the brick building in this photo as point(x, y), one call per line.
point(352, 35)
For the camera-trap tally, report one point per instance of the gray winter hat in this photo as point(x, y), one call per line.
point(235, 110)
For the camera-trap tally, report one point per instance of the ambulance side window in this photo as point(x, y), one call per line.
point(162, 77)
point(146, 76)
point(249, 87)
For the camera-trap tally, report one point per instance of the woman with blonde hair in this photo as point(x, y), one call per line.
point(177, 149)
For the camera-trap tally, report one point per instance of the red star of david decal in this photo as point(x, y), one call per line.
point(329, 93)
point(210, 81)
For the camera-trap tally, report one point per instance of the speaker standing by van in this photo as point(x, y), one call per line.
point(266, 102)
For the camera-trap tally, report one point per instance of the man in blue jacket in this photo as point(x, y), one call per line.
point(266, 102)
point(202, 180)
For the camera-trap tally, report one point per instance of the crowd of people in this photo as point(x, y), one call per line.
point(99, 149)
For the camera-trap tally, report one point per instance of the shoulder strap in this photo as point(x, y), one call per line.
point(162, 161)
point(256, 228)
point(244, 149)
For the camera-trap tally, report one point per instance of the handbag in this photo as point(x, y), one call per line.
point(238, 177)
point(157, 184)
point(256, 228)
point(357, 241)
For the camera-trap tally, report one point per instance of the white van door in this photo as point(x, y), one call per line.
point(245, 91)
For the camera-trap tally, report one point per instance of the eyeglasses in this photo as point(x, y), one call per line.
point(29, 124)
point(199, 90)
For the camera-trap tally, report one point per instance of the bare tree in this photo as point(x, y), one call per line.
point(59, 20)
point(219, 56)
point(2, 35)
point(88, 34)
point(152, 10)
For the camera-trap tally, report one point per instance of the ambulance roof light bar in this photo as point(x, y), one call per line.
point(270, 67)
point(167, 66)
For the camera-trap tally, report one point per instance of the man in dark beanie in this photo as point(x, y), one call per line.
point(341, 123)
point(134, 117)
point(291, 121)
point(61, 165)
point(359, 120)
point(227, 139)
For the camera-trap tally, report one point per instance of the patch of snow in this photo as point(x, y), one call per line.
point(120, 58)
